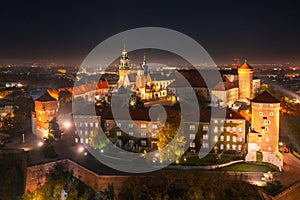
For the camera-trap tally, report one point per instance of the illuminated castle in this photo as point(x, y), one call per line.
point(46, 109)
point(264, 137)
point(245, 76)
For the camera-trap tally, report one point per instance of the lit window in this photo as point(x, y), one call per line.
point(130, 133)
point(192, 127)
point(227, 146)
point(192, 136)
point(96, 124)
point(119, 124)
point(216, 138)
point(221, 146)
point(228, 138)
point(205, 127)
point(215, 129)
point(153, 135)
point(205, 137)
point(192, 145)
point(267, 140)
point(215, 121)
point(227, 129)
point(143, 142)
point(240, 129)
point(240, 147)
point(86, 140)
point(143, 134)
point(221, 138)
point(240, 139)
point(233, 129)
point(234, 138)
point(271, 114)
point(143, 126)
point(154, 126)
point(269, 148)
point(80, 124)
point(86, 132)
point(91, 132)
point(222, 128)
point(233, 147)
point(91, 124)
point(271, 105)
point(130, 125)
point(205, 145)
point(260, 114)
point(86, 124)
point(119, 133)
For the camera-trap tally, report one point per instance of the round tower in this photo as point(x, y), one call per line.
point(245, 75)
point(265, 120)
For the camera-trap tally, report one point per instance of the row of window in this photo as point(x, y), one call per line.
point(48, 112)
point(153, 126)
point(143, 134)
point(216, 138)
point(216, 129)
point(86, 124)
point(261, 105)
point(261, 114)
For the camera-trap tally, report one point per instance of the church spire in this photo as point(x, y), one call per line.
point(144, 61)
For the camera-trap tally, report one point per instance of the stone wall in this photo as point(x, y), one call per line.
point(36, 176)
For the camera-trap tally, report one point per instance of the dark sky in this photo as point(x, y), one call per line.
point(64, 32)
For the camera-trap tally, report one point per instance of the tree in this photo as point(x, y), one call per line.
point(171, 140)
point(54, 129)
point(98, 139)
point(10, 177)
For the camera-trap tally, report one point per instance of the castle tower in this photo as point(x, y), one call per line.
point(141, 77)
point(245, 75)
point(124, 67)
point(265, 123)
point(46, 109)
point(145, 66)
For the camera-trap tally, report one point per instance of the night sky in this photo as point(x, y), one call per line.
point(64, 32)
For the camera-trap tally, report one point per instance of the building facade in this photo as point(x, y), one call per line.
point(245, 76)
point(46, 109)
point(265, 125)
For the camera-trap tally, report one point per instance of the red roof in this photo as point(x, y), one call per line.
point(245, 65)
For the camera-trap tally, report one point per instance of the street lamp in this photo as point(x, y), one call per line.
point(40, 143)
point(67, 124)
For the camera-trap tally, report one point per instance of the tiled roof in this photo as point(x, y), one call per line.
point(245, 65)
point(192, 76)
point(159, 77)
point(265, 97)
point(45, 97)
point(141, 114)
point(227, 85)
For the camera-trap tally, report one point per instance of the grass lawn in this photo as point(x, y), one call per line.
point(210, 159)
point(250, 167)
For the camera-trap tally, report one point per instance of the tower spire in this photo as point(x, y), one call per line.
point(144, 61)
